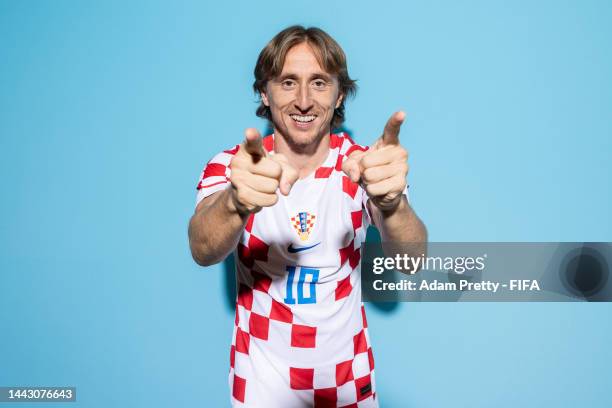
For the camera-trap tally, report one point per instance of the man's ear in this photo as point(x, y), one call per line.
point(339, 101)
point(264, 98)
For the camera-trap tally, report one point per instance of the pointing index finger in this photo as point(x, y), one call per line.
point(392, 128)
point(253, 144)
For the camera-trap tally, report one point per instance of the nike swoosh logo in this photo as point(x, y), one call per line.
point(293, 250)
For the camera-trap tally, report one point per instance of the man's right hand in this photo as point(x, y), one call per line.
point(255, 175)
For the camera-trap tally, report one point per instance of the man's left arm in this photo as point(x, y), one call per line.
point(382, 171)
point(400, 224)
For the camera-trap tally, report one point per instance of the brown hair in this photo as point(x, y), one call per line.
point(328, 52)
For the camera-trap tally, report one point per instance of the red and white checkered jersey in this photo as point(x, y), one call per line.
point(300, 336)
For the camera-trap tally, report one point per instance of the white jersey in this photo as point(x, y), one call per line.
point(300, 336)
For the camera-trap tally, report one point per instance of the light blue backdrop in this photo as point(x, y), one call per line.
point(109, 110)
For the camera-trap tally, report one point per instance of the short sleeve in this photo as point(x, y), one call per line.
point(216, 174)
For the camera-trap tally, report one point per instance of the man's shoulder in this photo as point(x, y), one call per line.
point(228, 153)
point(345, 143)
point(267, 141)
point(216, 170)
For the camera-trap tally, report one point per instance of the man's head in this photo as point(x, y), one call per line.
point(303, 81)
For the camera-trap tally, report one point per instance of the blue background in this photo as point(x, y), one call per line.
point(109, 110)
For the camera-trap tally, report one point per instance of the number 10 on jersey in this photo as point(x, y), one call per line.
point(306, 285)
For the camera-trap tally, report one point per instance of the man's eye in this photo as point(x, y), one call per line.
point(319, 84)
point(287, 84)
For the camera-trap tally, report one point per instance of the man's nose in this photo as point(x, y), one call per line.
point(303, 100)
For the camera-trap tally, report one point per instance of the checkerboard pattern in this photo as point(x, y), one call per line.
point(349, 382)
point(287, 353)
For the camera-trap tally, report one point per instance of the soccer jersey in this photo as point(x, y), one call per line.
point(300, 335)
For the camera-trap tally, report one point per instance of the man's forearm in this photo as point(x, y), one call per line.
point(401, 226)
point(215, 228)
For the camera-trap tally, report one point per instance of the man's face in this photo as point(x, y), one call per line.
point(302, 99)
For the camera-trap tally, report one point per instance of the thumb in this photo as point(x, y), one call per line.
point(390, 135)
point(253, 144)
point(289, 174)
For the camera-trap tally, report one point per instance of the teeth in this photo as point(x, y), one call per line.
point(303, 118)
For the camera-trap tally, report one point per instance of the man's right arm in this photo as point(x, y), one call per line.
point(215, 228)
point(219, 219)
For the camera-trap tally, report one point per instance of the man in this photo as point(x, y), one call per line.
point(295, 206)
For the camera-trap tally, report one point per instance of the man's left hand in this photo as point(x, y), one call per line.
point(382, 169)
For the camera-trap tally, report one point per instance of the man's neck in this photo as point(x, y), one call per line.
point(307, 159)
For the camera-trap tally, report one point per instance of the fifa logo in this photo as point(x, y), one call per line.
point(302, 223)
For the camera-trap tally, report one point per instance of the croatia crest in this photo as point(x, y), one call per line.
point(303, 223)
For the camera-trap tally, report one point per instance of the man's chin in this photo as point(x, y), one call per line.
point(302, 139)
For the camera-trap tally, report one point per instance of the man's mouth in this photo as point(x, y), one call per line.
point(303, 118)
